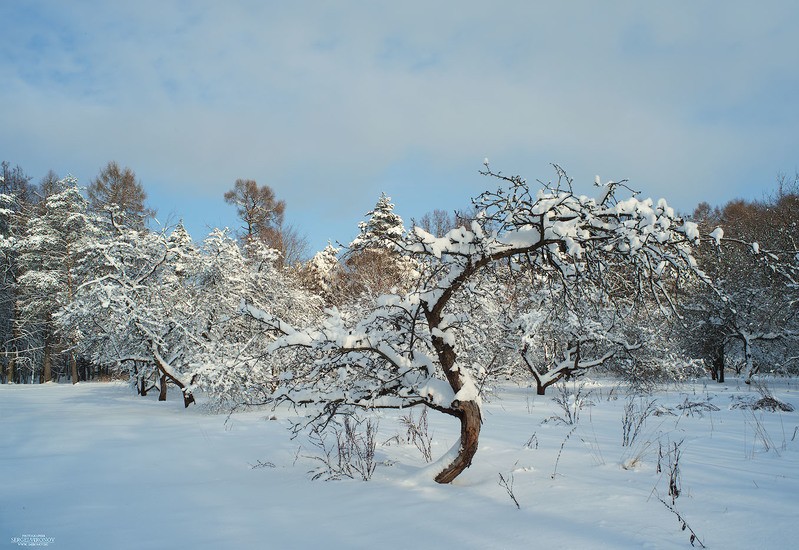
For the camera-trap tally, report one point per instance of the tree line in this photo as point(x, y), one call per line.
point(530, 283)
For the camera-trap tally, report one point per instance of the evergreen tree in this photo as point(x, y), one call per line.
point(381, 229)
point(50, 254)
point(374, 265)
point(15, 199)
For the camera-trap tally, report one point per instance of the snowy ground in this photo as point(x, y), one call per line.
point(94, 466)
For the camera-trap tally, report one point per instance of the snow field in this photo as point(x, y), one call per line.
point(95, 466)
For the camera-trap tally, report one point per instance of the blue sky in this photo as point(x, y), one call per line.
point(331, 103)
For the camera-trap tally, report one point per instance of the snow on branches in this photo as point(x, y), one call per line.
point(407, 348)
point(164, 310)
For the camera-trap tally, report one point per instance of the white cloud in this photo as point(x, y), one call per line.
point(324, 100)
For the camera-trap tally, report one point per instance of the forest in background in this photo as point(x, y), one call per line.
point(529, 284)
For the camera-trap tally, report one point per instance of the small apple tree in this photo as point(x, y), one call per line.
point(408, 348)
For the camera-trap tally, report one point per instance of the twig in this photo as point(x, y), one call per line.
point(560, 452)
point(508, 484)
point(683, 524)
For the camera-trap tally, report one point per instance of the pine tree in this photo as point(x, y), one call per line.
point(374, 264)
point(184, 251)
point(50, 253)
point(381, 229)
point(15, 198)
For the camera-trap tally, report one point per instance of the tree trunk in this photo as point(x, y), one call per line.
point(47, 362)
point(188, 399)
point(15, 338)
point(470, 434)
point(12, 361)
point(751, 370)
point(541, 387)
point(468, 412)
point(162, 395)
point(164, 368)
point(718, 363)
point(73, 367)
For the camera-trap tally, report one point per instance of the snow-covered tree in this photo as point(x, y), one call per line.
point(184, 252)
point(564, 338)
point(323, 274)
point(132, 314)
point(751, 317)
point(164, 311)
point(14, 199)
point(373, 263)
point(228, 364)
point(56, 239)
point(405, 350)
point(381, 229)
point(8, 279)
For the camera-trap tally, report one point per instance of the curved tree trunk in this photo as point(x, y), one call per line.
point(469, 415)
point(541, 387)
point(167, 374)
point(188, 398)
point(467, 411)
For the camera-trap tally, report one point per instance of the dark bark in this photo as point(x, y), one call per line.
point(468, 412)
point(73, 368)
point(15, 336)
point(718, 364)
point(162, 393)
point(47, 362)
point(188, 398)
point(469, 415)
point(12, 362)
point(164, 368)
point(540, 387)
